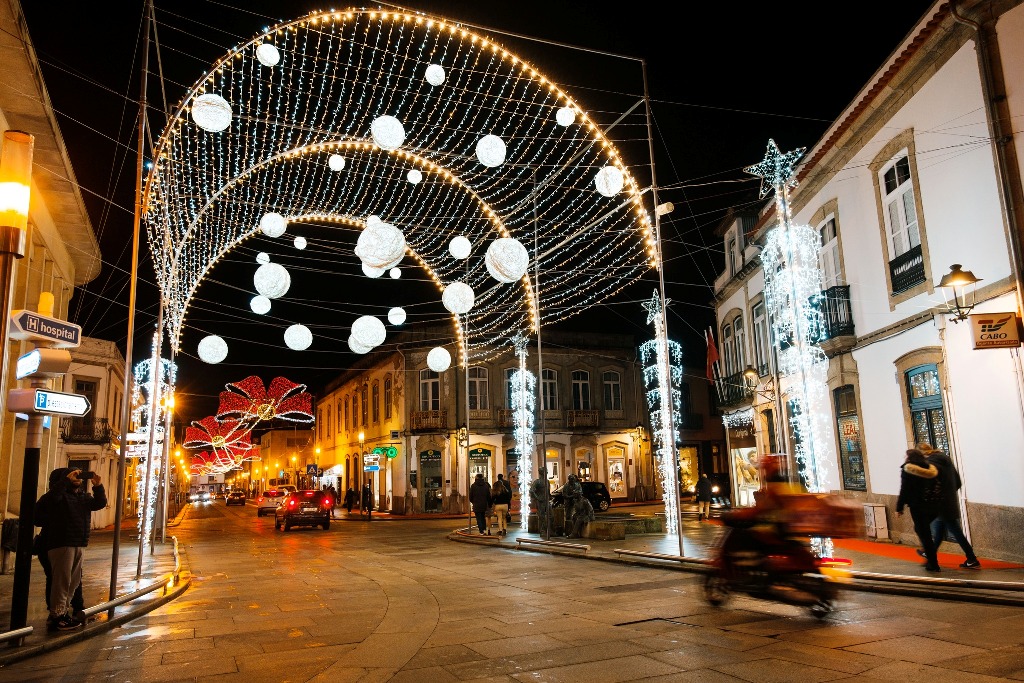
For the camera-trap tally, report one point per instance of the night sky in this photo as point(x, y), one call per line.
point(723, 79)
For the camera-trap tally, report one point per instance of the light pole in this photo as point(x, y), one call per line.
point(295, 468)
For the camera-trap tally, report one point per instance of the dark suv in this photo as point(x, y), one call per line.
point(304, 508)
point(594, 491)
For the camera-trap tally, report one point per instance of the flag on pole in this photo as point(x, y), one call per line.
point(712, 354)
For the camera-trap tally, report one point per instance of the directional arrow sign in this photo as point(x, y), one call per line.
point(29, 325)
point(46, 401)
point(43, 363)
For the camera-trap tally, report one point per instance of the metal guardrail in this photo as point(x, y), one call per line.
point(662, 556)
point(555, 544)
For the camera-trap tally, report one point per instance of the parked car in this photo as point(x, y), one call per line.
point(268, 501)
point(304, 508)
point(594, 491)
point(236, 498)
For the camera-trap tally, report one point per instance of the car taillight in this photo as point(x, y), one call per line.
point(291, 503)
point(328, 503)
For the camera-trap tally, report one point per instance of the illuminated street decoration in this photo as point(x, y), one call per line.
point(212, 349)
point(396, 316)
point(663, 372)
point(522, 400)
point(248, 402)
point(792, 288)
point(439, 359)
point(227, 441)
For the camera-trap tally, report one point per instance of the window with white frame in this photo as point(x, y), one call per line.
point(387, 398)
point(828, 253)
point(900, 208)
point(761, 348)
point(731, 255)
point(430, 390)
point(348, 424)
point(740, 339)
point(612, 391)
point(341, 416)
point(549, 390)
point(728, 357)
point(376, 402)
point(478, 388)
point(580, 390)
point(509, 387)
point(364, 400)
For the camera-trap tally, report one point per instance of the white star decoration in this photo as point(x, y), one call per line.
point(776, 169)
point(653, 307)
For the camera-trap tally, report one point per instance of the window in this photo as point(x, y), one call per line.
point(685, 403)
point(927, 417)
point(728, 359)
point(348, 424)
point(740, 339)
point(387, 399)
point(580, 390)
point(828, 253)
point(900, 209)
point(848, 428)
point(376, 402)
point(319, 424)
point(478, 388)
point(761, 348)
point(355, 410)
point(731, 256)
point(508, 386)
point(430, 390)
point(612, 391)
point(549, 391)
point(364, 413)
point(327, 411)
point(341, 417)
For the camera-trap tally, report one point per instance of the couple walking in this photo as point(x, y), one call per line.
point(928, 485)
point(490, 499)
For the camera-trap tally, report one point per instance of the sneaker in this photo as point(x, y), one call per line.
point(971, 564)
point(64, 623)
point(921, 553)
point(79, 616)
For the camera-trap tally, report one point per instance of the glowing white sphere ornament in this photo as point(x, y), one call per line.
point(356, 347)
point(396, 316)
point(460, 247)
point(260, 305)
point(272, 280)
point(414, 176)
point(490, 151)
point(299, 242)
point(395, 273)
point(336, 162)
point(298, 337)
point(262, 257)
point(380, 245)
point(439, 359)
point(212, 349)
point(370, 271)
point(609, 181)
point(388, 132)
point(507, 259)
point(268, 55)
point(273, 224)
point(211, 112)
point(434, 74)
point(458, 297)
point(368, 331)
point(565, 116)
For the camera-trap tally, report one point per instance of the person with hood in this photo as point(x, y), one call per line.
point(919, 491)
point(39, 549)
point(480, 498)
point(65, 512)
point(949, 505)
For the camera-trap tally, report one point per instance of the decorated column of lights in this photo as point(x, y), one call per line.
point(663, 373)
point(792, 288)
point(523, 402)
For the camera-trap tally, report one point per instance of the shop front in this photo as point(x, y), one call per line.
point(430, 480)
point(743, 458)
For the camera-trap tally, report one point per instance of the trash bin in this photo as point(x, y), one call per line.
point(9, 535)
point(875, 524)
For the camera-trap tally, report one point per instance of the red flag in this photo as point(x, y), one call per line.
point(712, 355)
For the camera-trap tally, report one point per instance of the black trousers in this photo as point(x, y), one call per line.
point(922, 518)
point(481, 519)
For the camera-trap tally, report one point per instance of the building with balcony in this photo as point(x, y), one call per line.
point(921, 171)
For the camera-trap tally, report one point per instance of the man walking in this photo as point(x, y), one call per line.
point(703, 498)
point(367, 502)
point(949, 505)
point(480, 499)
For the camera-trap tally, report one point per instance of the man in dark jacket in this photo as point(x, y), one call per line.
point(949, 505)
point(480, 498)
point(40, 550)
point(65, 511)
point(366, 504)
point(703, 497)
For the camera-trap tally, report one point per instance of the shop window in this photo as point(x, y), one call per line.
point(927, 416)
point(851, 458)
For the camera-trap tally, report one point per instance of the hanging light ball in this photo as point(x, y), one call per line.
point(336, 162)
point(299, 242)
point(368, 331)
point(460, 247)
point(608, 181)
point(211, 112)
point(356, 347)
point(262, 257)
point(439, 359)
point(565, 116)
point(507, 259)
point(373, 221)
point(434, 74)
point(380, 245)
point(260, 305)
point(458, 297)
point(267, 54)
point(414, 176)
point(395, 273)
point(388, 132)
point(272, 280)
point(370, 271)
point(491, 151)
point(273, 224)
point(396, 316)
point(298, 337)
point(212, 349)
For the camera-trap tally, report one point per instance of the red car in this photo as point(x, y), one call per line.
point(304, 508)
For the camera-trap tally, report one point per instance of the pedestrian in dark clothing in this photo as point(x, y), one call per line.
point(949, 505)
point(39, 549)
point(367, 502)
point(918, 490)
point(703, 498)
point(508, 486)
point(480, 498)
point(350, 499)
point(333, 493)
point(65, 511)
point(501, 497)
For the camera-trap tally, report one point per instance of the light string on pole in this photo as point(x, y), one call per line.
point(522, 402)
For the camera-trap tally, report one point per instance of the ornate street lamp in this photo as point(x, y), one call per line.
point(958, 288)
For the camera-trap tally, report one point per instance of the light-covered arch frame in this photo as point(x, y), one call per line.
point(338, 72)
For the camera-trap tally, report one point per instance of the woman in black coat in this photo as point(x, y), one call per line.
point(919, 491)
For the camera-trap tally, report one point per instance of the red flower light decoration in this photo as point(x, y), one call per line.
point(229, 440)
point(247, 401)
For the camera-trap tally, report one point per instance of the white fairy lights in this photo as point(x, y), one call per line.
point(522, 403)
point(268, 55)
point(434, 74)
point(336, 162)
point(388, 132)
point(460, 247)
point(609, 181)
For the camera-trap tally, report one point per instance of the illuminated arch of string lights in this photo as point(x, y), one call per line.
point(434, 128)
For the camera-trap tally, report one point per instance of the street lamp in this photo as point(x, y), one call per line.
point(958, 288)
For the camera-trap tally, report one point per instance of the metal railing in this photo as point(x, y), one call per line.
point(837, 319)
point(505, 420)
point(85, 430)
point(733, 389)
point(906, 270)
point(576, 419)
point(428, 420)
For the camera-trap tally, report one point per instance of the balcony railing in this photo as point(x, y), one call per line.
point(906, 270)
point(505, 420)
point(429, 420)
point(582, 419)
point(835, 312)
point(733, 389)
point(85, 430)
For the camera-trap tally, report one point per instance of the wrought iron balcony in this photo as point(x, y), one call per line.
point(906, 270)
point(85, 430)
point(582, 419)
point(733, 390)
point(505, 420)
point(429, 420)
point(837, 319)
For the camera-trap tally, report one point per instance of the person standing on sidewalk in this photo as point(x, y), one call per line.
point(65, 511)
point(919, 490)
point(367, 502)
point(501, 497)
point(350, 499)
point(949, 505)
point(703, 498)
point(40, 549)
point(480, 499)
point(334, 498)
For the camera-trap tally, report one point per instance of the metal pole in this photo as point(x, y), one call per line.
point(545, 532)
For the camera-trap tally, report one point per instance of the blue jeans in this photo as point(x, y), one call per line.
point(939, 527)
